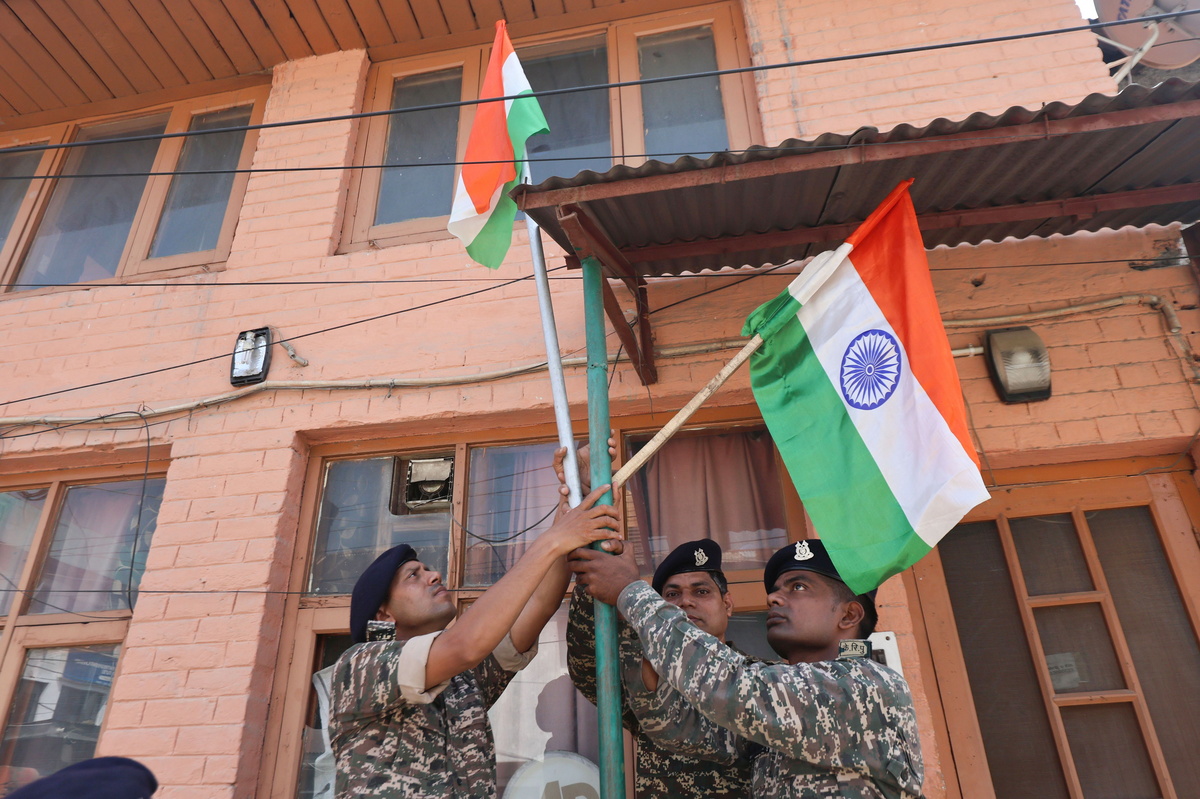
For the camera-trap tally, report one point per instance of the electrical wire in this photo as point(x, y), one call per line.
point(609, 157)
point(1174, 260)
point(224, 355)
point(715, 73)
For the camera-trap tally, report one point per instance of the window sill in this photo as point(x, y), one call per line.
point(130, 279)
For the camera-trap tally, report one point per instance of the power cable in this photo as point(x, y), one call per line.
point(222, 356)
point(1174, 260)
point(802, 148)
point(715, 73)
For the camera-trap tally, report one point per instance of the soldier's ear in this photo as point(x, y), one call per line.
point(383, 614)
point(852, 616)
point(728, 600)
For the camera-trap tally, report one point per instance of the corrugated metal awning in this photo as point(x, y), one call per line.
point(1060, 169)
point(1105, 162)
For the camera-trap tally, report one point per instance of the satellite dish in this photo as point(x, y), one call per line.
point(1178, 42)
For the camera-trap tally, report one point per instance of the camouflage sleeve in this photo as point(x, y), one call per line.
point(370, 679)
point(496, 671)
point(581, 650)
point(581, 643)
point(674, 724)
point(835, 714)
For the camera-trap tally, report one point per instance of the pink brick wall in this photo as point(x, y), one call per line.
point(196, 672)
point(883, 92)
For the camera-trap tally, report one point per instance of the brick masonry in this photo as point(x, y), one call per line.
point(191, 695)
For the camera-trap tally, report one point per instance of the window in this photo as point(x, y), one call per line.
point(470, 505)
point(1076, 604)
point(72, 552)
point(110, 214)
point(410, 195)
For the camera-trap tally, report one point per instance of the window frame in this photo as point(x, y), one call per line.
point(307, 616)
point(134, 261)
point(20, 631)
point(1174, 505)
point(738, 95)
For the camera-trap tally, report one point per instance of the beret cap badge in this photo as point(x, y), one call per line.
point(803, 552)
point(701, 558)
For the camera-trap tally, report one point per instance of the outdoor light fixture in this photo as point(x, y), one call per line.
point(251, 357)
point(1019, 364)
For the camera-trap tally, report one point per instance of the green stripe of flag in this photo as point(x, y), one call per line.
point(824, 452)
point(489, 247)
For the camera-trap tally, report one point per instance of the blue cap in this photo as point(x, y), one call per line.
point(703, 555)
point(98, 778)
point(373, 586)
point(811, 556)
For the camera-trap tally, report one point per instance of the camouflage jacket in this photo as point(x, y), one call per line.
point(842, 728)
point(392, 739)
point(658, 773)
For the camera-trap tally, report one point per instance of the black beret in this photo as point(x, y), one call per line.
point(372, 588)
point(98, 778)
point(703, 555)
point(811, 556)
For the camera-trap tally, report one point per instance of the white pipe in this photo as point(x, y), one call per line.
point(558, 384)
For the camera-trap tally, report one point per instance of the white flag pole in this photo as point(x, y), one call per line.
point(558, 384)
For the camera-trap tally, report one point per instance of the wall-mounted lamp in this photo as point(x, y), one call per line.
point(1019, 364)
point(251, 357)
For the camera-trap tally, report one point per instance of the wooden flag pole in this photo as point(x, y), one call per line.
point(680, 419)
point(815, 273)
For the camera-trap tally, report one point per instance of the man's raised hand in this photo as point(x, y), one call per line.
point(585, 524)
point(603, 575)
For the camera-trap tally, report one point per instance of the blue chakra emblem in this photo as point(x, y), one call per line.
point(870, 369)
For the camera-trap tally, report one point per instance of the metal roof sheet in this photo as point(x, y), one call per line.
point(1141, 138)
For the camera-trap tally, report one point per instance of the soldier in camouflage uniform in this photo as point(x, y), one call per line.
point(832, 722)
point(408, 717)
point(689, 577)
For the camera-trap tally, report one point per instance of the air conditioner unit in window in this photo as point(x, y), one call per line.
point(421, 485)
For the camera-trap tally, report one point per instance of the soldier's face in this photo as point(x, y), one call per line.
point(697, 595)
point(417, 602)
point(806, 617)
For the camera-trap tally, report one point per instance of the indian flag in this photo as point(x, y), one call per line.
point(482, 214)
point(858, 387)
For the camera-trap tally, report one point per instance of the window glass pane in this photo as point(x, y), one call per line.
point(681, 117)
point(1158, 631)
point(420, 137)
point(56, 712)
point(12, 189)
point(724, 486)
point(1079, 651)
point(98, 551)
point(1110, 755)
point(511, 499)
point(83, 233)
point(196, 204)
point(19, 514)
point(355, 523)
point(316, 761)
point(1051, 558)
point(748, 632)
point(579, 123)
point(1020, 750)
point(542, 722)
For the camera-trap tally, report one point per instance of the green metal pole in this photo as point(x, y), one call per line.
point(608, 681)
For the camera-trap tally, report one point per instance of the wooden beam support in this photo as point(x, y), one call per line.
point(588, 240)
point(1082, 207)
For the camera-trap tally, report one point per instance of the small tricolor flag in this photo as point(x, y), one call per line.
point(858, 387)
point(482, 214)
